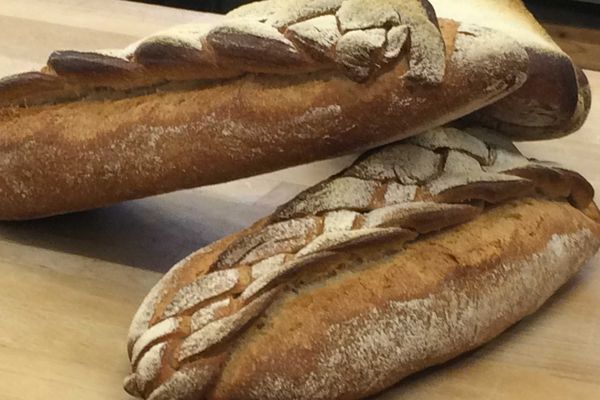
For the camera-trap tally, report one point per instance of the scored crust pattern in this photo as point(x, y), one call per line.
point(424, 184)
point(272, 37)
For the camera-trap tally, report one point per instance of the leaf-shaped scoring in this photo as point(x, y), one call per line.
point(401, 191)
point(270, 37)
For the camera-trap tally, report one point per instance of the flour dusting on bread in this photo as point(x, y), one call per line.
point(381, 198)
point(362, 354)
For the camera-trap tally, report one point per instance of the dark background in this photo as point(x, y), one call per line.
point(217, 6)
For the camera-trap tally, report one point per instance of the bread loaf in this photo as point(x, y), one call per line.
point(419, 251)
point(556, 98)
point(276, 83)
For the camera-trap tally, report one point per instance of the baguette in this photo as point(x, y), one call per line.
point(276, 83)
point(556, 98)
point(418, 252)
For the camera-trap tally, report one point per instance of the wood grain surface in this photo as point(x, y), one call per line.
point(69, 285)
point(581, 43)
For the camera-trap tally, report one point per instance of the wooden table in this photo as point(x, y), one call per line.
point(69, 285)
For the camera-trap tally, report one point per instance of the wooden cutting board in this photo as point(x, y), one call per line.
point(69, 285)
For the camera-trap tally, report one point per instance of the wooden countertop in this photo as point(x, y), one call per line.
point(69, 285)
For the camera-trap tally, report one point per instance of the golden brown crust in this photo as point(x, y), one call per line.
point(175, 131)
point(25, 88)
point(344, 290)
point(89, 154)
point(432, 287)
point(352, 224)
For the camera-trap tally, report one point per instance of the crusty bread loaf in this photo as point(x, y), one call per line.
point(419, 251)
point(275, 84)
point(556, 98)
